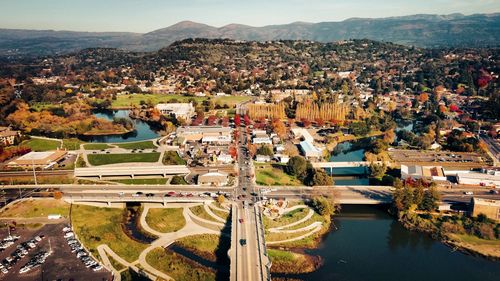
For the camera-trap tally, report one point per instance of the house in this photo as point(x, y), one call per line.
point(43, 160)
point(8, 136)
point(435, 146)
point(282, 158)
point(224, 158)
point(310, 151)
point(262, 140)
point(423, 172)
point(179, 110)
point(301, 133)
point(197, 133)
point(488, 207)
point(213, 178)
point(262, 158)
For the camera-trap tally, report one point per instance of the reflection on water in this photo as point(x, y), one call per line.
point(345, 152)
point(143, 131)
point(369, 245)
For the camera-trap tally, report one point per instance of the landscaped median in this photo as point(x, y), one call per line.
point(208, 246)
point(115, 158)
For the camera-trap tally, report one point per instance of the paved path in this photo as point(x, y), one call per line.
point(280, 228)
point(305, 228)
point(214, 206)
point(196, 218)
point(318, 228)
point(288, 210)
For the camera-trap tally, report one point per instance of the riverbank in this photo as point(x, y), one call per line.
point(473, 236)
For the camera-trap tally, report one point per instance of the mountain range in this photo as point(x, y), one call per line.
point(454, 30)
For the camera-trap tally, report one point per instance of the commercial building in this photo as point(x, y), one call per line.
point(183, 110)
point(213, 178)
point(435, 173)
point(38, 159)
point(488, 207)
point(488, 177)
point(8, 136)
point(209, 133)
point(310, 151)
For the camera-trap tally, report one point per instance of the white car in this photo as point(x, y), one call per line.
point(69, 234)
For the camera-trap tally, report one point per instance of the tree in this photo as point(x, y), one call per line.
point(322, 206)
point(389, 136)
point(265, 150)
point(431, 199)
point(378, 170)
point(296, 166)
point(321, 178)
point(279, 128)
point(237, 120)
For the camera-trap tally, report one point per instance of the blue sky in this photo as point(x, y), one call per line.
point(148, 15)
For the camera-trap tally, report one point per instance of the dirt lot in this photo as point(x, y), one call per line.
point(60, 265)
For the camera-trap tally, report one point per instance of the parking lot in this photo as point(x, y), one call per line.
point(61, 264)
point(436, 157)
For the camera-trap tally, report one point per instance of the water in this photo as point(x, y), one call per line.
point(370, 245)
point(143, 131)
point(344, 152)
point(130, 225)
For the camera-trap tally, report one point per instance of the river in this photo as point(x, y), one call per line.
point(143, 131)
point(344, 152)
point(369, 245)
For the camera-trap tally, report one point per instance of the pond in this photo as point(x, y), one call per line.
point(368, 244)
point(143, 130)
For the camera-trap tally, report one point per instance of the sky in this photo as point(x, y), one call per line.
point(148, 15)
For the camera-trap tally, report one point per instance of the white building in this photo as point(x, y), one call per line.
point(262, 158)
point(224, 158)
point(213, 178)
point(183, 110)
point(302, 133)
point(423, 172)
point(486, 178)
point(310, 151)
point(262, 140)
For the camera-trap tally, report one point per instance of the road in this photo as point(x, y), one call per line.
point(250, 253)
point(493, 147)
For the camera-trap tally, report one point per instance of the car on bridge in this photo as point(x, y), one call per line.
point(243, 242)
point(241, 220)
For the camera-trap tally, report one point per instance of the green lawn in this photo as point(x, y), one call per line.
point(104, 159)
point(104, 228)
point(207, 246)
point(36, 208)
point(285, 219)
point(72, 144)
point(199, 211)
point(269, 175)
point(135, 99)
point(172, 158)
point(177, 266)
point(137, 145)
point(96, 146)
point(165, 220)
point(221, 214)
point(290, 262)
point(41, 144)
point(142, 181)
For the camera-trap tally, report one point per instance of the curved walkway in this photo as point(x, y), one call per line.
point(318, 228)
point(212, 214)
point(288, 210)
point(279, 228)
point(215, 207)
point(191, 215)
point(305, 228)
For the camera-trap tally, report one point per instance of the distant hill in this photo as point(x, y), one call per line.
point(455, 30)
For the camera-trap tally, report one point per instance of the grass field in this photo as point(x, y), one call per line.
point(200, 212)
point(96, 146)
point(142, 181)
point(287, 218)
point(39, 179)
point(290, 262)
point(41, 144)
point(485, 247)
point(221, 214)
point(104, 228)
point(269, 175)
point(105, 159)
point(72, 144)
point(36, 208)
point(165, 220)
point(177, 266)
point(135, 99)
point(204, 245)
point(137, 145)
point(231, 101)
point(172, 158)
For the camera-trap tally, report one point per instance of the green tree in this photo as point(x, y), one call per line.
point(322, 206)
point(297, 166)
point(378, 170)
point(265, 150)
point(320, 178)
point(431, 199)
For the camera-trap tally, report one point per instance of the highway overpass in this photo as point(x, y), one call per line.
point(132, 171)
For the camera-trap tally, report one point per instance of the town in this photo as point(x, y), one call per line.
point(212, 152)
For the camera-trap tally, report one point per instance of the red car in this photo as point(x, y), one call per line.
point(241, 220)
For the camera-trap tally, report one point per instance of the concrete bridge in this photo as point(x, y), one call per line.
point(351, 164)
point(132, 171)
point(126, 198)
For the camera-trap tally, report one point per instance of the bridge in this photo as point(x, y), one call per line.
point(125, 198)
point(132, 171)
point(351, 164)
